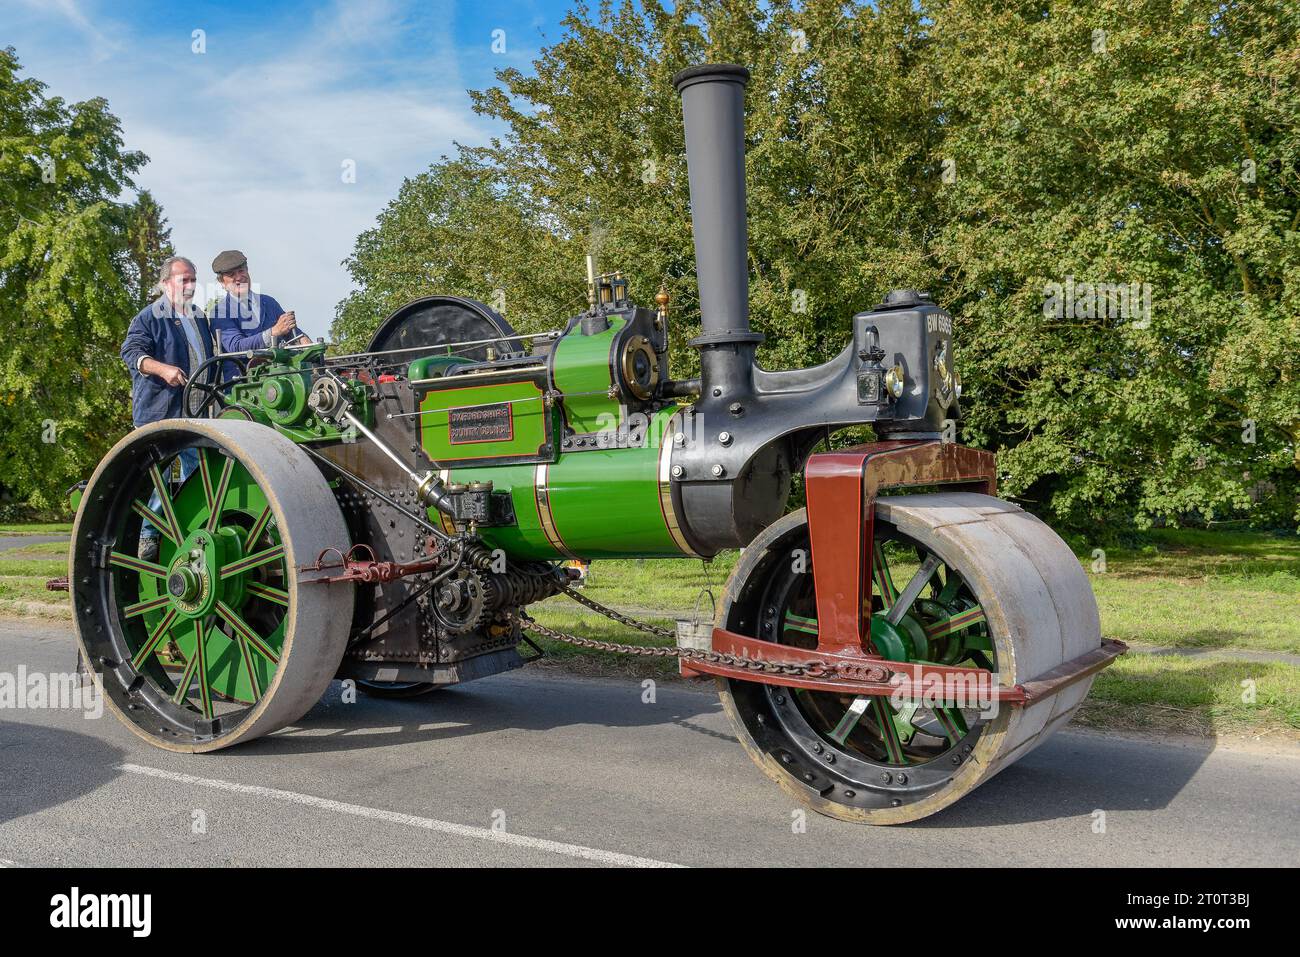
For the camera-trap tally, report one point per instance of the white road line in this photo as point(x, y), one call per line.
point(393, 817)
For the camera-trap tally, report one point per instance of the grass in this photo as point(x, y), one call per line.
point(1195, 696)
point(1182, 589)
point(1189, 588)
point(23, 573)
point(48, 528)
point(668, 585)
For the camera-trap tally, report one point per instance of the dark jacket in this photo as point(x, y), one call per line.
point(242, 329)
point(156, 332)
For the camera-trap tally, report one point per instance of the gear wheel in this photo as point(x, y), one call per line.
point(462, 603)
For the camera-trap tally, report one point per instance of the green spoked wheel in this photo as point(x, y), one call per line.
point(214, 640)
point(958, 579)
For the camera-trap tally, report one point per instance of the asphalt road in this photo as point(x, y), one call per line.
point(20, 541)
point(535, 769)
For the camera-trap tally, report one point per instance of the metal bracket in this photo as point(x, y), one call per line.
point(842, 490)
point(867, 674)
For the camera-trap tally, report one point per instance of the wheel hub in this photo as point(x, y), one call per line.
point(190, 575)
point(184, 585)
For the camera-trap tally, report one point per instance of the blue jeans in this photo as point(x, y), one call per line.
point(189, 462)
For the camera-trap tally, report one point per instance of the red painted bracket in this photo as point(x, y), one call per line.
point(362, 570)
point(842, 488)
point(865, 674)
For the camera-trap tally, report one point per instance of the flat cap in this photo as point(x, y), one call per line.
point(228, 260)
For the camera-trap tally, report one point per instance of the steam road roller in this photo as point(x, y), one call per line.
point(389, 517)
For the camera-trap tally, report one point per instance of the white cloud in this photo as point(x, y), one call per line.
point(247, 140)
point(72, 12)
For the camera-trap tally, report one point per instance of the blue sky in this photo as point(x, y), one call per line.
point(247, 141)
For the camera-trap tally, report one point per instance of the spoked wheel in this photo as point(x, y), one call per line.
point(992, 588)
point(214, 640)
point(204, 393)
point(396, 689)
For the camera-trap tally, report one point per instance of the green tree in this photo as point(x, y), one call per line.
point(1115, 143)
point(593, 161)
point(148, 239)
point(64, 298)
point(979, 150)
point(459, 229)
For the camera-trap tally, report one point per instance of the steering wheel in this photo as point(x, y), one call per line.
point(204, 388)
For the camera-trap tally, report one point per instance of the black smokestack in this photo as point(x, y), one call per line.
point(713, 113)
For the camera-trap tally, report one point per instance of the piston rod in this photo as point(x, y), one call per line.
point(428, 487)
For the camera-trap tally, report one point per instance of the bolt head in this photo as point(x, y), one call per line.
point(678, 471)
point(679, 438)
point(724, 438)
point(718, 470)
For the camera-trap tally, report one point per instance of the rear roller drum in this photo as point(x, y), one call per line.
point(213, 640)
point(1001, 593)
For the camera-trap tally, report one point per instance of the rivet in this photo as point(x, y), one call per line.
point(817, 749)
point(850, 794)
point(902, 778)
point(886, 777)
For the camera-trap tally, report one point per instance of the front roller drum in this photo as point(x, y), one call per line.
point(1003, 594)
point(214, 640)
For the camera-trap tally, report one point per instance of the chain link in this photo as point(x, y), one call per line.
point(611, 614)
point(809, 669)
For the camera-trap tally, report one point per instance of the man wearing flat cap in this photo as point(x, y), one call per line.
point(243, 319)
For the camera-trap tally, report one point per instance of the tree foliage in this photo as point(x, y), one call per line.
point(149, 243)
point(68, 285)
point(984, 151)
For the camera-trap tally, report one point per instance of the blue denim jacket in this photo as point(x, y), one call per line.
point(156, 332)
